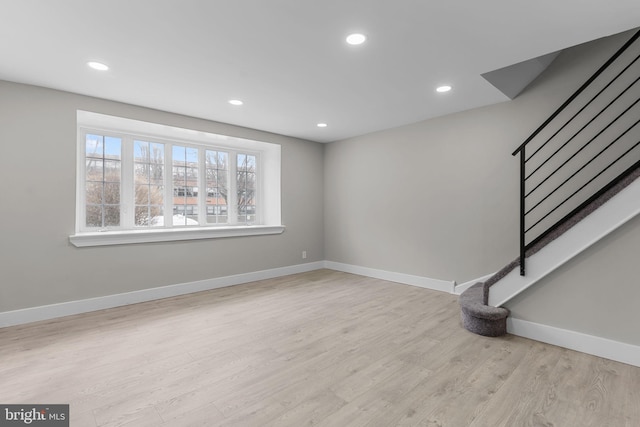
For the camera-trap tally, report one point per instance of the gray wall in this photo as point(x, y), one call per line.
point(436, 198)
point(37, 214)
point(596, 293)
point(440, 198)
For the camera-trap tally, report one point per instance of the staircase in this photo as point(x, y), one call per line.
point(578, 183)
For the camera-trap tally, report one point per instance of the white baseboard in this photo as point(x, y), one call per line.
point(52, 311)
point(458, 289)
point(46, 312)
point(407, 279)
point(601, 347)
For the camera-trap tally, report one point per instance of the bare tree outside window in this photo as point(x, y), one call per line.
point(246, 188)
point(103, 159)
point(217, 175)
point(148, 160)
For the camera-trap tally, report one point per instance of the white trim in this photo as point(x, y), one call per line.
point(407, 279)
point(458, 289)
point(602, 347)
point(596, 346)
point(46, 312)
point(617, 211)
point(159, 131)
point(170, 234)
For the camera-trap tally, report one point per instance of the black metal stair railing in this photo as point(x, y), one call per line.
point(584, 148)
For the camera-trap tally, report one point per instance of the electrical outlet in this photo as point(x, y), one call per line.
point(304, 254)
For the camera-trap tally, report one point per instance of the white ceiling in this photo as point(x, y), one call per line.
point(287, 59)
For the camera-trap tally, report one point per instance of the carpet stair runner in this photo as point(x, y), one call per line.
point(482, 319)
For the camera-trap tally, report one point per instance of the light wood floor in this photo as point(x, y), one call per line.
point(321, 348)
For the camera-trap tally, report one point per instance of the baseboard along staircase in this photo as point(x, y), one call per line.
point(578, 182)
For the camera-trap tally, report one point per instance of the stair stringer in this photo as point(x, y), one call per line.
point(620, 209)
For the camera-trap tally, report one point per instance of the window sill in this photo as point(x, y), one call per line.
point(169, 235)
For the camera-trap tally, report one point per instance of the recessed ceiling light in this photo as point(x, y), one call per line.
point(235, 102)
point(442, 89)
point(322, 125)
point(356, 38)
point(98, 66)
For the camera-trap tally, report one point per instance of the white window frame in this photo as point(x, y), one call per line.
point(267, 221)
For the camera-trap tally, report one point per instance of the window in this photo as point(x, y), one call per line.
point(102, 180)
point(217, 174)
point(185, 184)
point(148, 182)
point(142, 182)
point(246, 187)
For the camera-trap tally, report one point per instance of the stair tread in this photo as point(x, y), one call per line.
point(472, 301)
